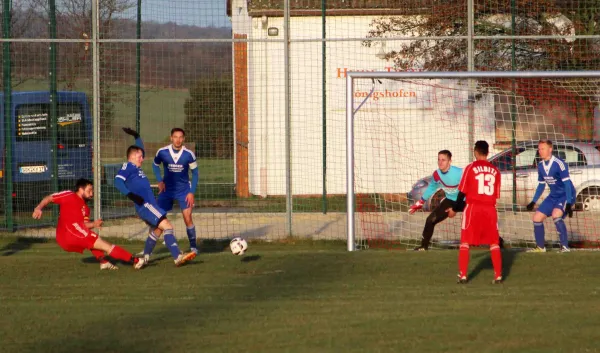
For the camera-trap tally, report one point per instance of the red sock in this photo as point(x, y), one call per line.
point(99, 255)
point(463, 259)
point(119, 253)
point(496, 260)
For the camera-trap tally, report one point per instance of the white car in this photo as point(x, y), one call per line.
point(519, 183)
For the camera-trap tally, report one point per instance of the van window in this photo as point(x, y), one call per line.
point(33, 124)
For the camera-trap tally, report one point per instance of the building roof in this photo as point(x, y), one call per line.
point(343, 7)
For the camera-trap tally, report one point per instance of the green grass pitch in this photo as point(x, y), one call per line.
point(300, 297)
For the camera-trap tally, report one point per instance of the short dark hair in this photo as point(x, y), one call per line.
point(482, 147)
point(446, 152)
point(176, 129)
point(133, 148)
point(82, 183)
point(546, 141)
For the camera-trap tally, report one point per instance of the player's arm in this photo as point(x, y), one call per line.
point(37, 212)
point(156, 172)
point(433, 187)
point(190, 196)
point(459, 205)
point(566, 179)
point(92, 224)
point(123, 189)
point(538, 191)
point(138, 140)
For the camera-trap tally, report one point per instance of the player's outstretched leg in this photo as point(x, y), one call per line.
point(104, 263)
point(463, 263)
point(171, 242)
point(496, 262)
point(118, 253)
point(437, 215)
point(150, 243)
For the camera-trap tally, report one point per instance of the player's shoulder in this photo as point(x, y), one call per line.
point(560, 163)
point(128, 166)
point(162, 150)
point(456, 169)
point(61, 194)
point(189, 152)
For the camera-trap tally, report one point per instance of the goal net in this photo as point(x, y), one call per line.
point(400, 121)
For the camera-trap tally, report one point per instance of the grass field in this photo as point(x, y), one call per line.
point(302, 297)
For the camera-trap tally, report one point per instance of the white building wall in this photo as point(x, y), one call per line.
point(397, 137)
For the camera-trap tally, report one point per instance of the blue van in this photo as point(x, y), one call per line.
point(32, 158)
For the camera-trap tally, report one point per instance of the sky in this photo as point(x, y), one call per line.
point(202, 13)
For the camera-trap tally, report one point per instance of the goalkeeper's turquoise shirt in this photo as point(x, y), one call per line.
point(446, 181)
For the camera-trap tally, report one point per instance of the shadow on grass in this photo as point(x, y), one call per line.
point(129, 330)
point(21, 244)
point(508, 259)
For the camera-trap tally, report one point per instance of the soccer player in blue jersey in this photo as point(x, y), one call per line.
point(447, 177)
point(175, 184)
point(132, 182)
point(559, 203)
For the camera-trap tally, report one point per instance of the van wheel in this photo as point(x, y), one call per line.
point(588, 200)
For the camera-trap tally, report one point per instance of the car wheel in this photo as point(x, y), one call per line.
point(588, 200)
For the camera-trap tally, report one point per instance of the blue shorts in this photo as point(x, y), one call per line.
point(165, 200)
point(550, 203)
point(150, 213)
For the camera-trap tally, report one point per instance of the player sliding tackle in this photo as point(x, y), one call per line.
point(73, 232)
point(446, 177)
point(554, 172)
point(480, 184)
point(132, 182)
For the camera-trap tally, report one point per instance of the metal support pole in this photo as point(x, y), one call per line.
point(288, 118)
point(350, 163)
point(8, 170)
point(53, 103)
point(138, 65)
point(96, 111)
point(471, 68)
point(324, 99)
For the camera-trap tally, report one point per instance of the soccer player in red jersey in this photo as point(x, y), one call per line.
point(73, 232)
point(480, 184)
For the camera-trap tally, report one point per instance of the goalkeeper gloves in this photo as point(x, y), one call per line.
point(417, 206)
point(131, 132)
point(569, 210)
point(530, 206)
point(136, 198)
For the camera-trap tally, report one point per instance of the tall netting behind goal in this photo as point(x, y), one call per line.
point(401, 123)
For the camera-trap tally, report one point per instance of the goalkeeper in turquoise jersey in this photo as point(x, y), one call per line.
point(446, 177)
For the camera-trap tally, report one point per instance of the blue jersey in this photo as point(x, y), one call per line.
point(176, 165)
point(136, 181)
point(447, 181)
point(555, 173)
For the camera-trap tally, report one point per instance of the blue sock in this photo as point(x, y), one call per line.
point(538, 232)
point(171, 243)
point(191, 233)
point(561, 227)
point(150, 243)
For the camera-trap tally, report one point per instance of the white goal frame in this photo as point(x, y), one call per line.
point(351, 111)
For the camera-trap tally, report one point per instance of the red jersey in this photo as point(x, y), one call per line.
point(480, 183)
point(73, 208)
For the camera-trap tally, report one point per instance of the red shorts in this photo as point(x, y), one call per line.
point(75, 238)
point(480, 225)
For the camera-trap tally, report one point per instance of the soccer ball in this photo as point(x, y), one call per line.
point(238, 246)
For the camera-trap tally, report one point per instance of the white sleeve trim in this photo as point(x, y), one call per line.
point(121, 177)
point(565, 179)
point(193, 165)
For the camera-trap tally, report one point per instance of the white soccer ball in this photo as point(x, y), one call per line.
point(238, 246)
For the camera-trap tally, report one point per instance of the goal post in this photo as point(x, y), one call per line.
point(397, 122)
